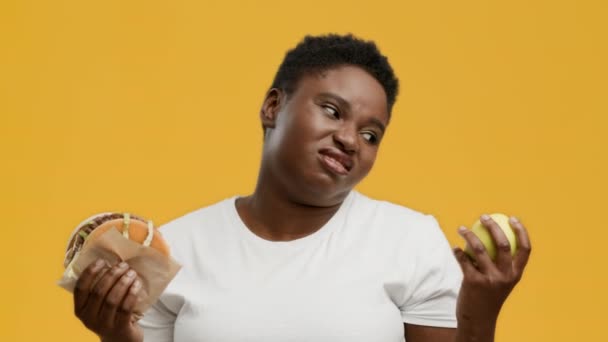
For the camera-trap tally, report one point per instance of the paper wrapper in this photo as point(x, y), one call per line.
point(154, 269)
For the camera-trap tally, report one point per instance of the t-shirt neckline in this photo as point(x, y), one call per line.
point(244, 231)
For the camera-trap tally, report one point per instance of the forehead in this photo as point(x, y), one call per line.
point(352, 83)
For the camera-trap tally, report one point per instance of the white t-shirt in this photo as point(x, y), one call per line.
point(373, 266)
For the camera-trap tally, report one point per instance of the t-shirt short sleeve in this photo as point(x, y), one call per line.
point(431, 296)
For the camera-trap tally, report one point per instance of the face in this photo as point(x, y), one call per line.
point(323, 140)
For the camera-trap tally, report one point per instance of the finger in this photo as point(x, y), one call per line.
point(86, 316)
point(465, 262)
point(484, 263)
point(124, 316)
point(103, 286)
point(504, 260)
point(115, 297)
point(84, 284)
point(524, 247)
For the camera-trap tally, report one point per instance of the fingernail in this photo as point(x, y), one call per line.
point(128, 276)
point(514, 219)
point(136, 286)
point(485, 217)
point(98, 264)
point(119, 267)
point(462, 229)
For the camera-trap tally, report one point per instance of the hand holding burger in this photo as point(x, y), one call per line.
point(104, 300)
point(108, 293)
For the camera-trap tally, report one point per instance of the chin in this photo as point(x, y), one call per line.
point(321, 185)
point(311, 183)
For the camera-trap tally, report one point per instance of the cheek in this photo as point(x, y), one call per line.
point(295, 135)
point(368, 158)
point(308, 126)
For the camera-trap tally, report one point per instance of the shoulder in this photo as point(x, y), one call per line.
point(390, 216)
point(413, 240)
point(200, 221)
point(391, 224)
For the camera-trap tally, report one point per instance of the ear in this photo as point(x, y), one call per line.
point(271, 107)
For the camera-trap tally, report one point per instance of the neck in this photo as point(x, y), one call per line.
point(272, 214)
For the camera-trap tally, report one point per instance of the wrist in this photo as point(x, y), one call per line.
point(475, 329)
point(476, 317)
point(474, 308)
point(109, 339)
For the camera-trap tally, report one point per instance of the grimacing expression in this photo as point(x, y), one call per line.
point(323, 138)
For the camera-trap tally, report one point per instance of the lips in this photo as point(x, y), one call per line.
point(336, 160)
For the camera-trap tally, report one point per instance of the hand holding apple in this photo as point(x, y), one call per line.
point(499, 258)
point(483, 234)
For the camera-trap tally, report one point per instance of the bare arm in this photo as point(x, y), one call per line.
point(421, 333)
point(465, 332)
point(485, 287)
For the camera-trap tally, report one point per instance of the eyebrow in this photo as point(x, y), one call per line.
point(378, 124)
point(341, 101)
point(345, 104)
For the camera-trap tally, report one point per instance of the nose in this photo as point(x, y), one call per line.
point(346, 139)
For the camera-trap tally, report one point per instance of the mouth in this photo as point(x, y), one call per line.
point(336, 161)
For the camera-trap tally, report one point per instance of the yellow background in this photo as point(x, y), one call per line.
point(151, 107)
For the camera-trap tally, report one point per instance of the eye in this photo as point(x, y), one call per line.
point(371, 137)
point(331, 111)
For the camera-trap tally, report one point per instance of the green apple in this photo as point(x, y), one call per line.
point(486, 238)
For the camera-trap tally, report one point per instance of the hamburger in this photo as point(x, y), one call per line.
point(132, 227)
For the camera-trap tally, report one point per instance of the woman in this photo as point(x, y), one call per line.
point(305, 257)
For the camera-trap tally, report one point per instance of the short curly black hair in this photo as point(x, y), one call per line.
point(320, 53)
